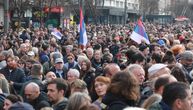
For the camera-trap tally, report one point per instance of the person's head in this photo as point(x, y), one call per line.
point(37, 70)
point(54, 56)
point(72, 75)
point(138, 58)
point(53, 47)
point(28, 63)
point(89, 52)
point(186, 59)
point(107, 58)
point(23, 47)
point(78, 86)
point(97, 55)
point(78, 100)
point(162, 81)
point(56, 90)
point(178, 49)
point(9, 100)
point(81, 58)
point(137, 71)
point(31, 91)
point(11, 62)
point(157, 70)
point(156, 58)
point(106, 50)
point(50, 75)
point(31, 54)
point(144, 49)
point(177, 95)
point(111, 69)
point(21, 106)
point(155, 48)
point(85, 64)
point(154, 98)
point(124, 84)
point(179, 74)
point(90, 107)
point(101, 84)
point(68, 48)
point(46, 47)
point(59, 64)
point(169, 58)
point(3, 55)
point(70, 58)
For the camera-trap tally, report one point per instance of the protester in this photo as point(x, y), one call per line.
point(101, 84)
point(56, 92)
point(110, 49)
point(10, 100)
point(123, 91)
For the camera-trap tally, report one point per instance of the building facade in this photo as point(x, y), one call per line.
point(109, 11)
point(1, 11)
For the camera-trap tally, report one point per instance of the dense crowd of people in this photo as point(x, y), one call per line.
point(40, 72)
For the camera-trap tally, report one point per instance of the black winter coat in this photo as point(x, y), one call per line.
point(114, 102)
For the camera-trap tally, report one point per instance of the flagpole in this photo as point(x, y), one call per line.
point(81, 4)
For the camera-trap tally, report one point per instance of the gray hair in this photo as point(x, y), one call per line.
point(81, 58)
point(75, 72)
point(131, 67)
point(90, 49)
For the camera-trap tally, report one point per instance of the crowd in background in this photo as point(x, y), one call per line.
point(40, 72)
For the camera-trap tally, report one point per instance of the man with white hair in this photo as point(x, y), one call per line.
point(89, 53)
point(22, 50)
point(137, 71)
point(72, 75)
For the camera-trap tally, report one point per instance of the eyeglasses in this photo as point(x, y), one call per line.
point(69, 58)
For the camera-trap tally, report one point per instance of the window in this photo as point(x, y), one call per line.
point(117, 3)
point(121, 4)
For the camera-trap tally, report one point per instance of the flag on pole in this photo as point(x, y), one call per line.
point(55, 32)
point(83, 37)
point(139, 33)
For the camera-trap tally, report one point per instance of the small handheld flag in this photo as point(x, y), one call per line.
point(56, 33)
point(83, 37)
point(139, 34)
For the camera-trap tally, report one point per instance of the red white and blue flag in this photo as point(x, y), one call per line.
point(55, 32)
point(139, 34)
point(83, 37)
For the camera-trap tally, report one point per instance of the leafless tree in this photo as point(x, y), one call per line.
point(149, 7)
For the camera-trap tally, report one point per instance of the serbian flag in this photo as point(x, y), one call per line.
point(139, 33)
point(55, 32)
point(83, 37)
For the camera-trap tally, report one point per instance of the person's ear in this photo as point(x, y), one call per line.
point(178, 103)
